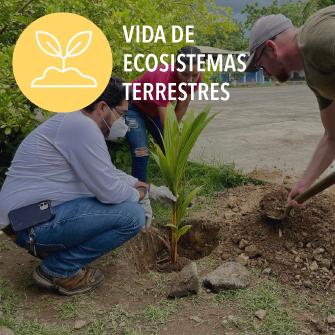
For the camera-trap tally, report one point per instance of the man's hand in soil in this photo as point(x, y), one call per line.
point(162, 194)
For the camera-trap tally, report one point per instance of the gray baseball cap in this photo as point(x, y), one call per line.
point(265, 28)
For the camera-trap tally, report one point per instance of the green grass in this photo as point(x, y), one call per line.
point(214, 178)
point(121, 322)
point(9, 303)
point(70, 309)
point(279, 319)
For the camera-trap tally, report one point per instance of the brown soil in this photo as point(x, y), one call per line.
point(273, 203)
point(150, 250)
point(300, 253)
point(290, 248)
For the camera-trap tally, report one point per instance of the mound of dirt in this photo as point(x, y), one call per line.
point(300, 251)
point(273, 203)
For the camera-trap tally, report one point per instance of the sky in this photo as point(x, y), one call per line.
point(238, 5)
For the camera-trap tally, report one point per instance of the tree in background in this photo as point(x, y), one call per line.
point(314, 5)
point(292, 10)
point(17, 114)
point(298, 12)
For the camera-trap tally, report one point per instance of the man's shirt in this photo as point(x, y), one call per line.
point(64, 158)
point(316, 40)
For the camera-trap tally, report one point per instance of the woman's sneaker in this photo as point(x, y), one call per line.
point(87, 279)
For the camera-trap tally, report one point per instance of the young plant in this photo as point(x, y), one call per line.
point(178, 140)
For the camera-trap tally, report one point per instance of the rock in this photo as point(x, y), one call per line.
point(318, 326)
point(309, 245)
point(331, 320)
point(243, 259)
point(252, 251)
point(261, 314)
point(267, 271)
point(318, 251)
point(243, 243)
point(196, 319)
point(235, 239)
point(298, 259)
point(186, 282)
point(314, 266)
point(78, 324)
point(308, 284)
point(6, 331)
point(228, 276)
point(326, 263)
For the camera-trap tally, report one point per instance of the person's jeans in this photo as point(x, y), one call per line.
point(81, 231)
point(138, 124)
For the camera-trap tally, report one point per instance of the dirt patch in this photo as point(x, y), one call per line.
point(200, 241)
point(150, 249)
point(300, 251)
point(273, 204)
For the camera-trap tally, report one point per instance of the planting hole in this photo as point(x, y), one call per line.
point(202, 239)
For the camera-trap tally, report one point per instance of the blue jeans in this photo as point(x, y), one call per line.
point(138, 124)
point(81, 231)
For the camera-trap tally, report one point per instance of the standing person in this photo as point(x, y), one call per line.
point(280, 49)
point(149, 115)
point(95, 207)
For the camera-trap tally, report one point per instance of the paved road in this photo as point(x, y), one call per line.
point(262, 128)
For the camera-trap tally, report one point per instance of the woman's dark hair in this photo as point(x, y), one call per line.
point(113, 94)
point(188, 50)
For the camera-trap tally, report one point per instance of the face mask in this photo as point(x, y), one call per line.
point(118, 129)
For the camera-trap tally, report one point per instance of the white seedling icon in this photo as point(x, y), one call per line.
point(76, 46)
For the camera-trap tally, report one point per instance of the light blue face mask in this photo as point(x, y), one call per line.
point(118, 128)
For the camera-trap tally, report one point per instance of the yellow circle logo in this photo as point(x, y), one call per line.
point(62, 62)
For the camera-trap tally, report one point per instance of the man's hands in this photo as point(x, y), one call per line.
point(147, 210)
point(159, 193)
point(162, 194)
point(298, 188)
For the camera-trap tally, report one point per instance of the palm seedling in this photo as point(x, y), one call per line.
point(178, 141)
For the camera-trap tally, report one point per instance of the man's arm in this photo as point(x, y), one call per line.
point(323, 155)
point(89, 158)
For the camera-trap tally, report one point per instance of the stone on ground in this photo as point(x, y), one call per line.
point(78, 324)
point(186, 282)
point(260, 314)
point(228, 276)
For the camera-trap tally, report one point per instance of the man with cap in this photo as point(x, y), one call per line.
point(280, 49)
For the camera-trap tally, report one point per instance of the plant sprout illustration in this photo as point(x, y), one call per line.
point(64, 77)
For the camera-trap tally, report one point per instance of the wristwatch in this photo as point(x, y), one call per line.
point(142, 189)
